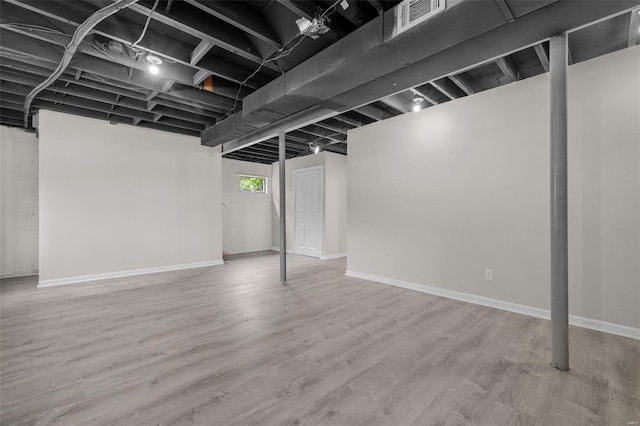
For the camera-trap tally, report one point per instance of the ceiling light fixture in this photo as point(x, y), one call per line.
point(315, 148)
point(313, 29)
point(417, 103)
point(154, 61)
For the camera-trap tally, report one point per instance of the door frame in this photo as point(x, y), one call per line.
point(295, 207)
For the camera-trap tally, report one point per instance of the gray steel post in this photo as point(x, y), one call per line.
point(283, 209)
point(559, 246)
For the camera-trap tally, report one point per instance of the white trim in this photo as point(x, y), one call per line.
point(333, 256)
point(295, 207)
point(131, 273)
point(607, 327)
point(289, 251)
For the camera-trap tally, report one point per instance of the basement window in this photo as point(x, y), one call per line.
point(253, 184)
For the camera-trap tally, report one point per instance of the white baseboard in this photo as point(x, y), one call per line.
point(131, 273)
point(289, 251)
point(30, 274)
point(333, 256)
point(607, 327)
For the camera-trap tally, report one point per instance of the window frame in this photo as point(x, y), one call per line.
point(245, 175)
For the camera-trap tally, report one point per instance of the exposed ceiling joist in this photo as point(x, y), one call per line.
point(289, 4)
point(542, 56)
point(124, 31)
point(199, 51)
point(506, 11)
point(416, 91)
point(19, 46)
point(508, 68)
point(462, 83)
point(247, 19)
point(199, 27)
point(439, 85)
point(373, 112)
point(396, 102)
point(348, 120)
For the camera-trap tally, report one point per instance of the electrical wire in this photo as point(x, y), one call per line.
point(242, 83)
point(324, 14)
point(146, 24)
point(79, 34)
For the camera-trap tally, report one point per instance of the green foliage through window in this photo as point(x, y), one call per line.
point(253, 184)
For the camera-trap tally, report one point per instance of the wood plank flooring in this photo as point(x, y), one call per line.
point(229, 345)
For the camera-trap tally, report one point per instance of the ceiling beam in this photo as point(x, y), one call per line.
point(542, 56)
point(69, 14)
point(318, 131)
point(15, 45)
point(396, 102)
point(440, 87)
point(167, 9)
point(222, 36)
point(106, 97)
point(115, 118)
point(347, 120)
point(373, 112)
point(508, 68)
point(289, 4)
point(332, 128)
point(247, 19)
point(634, 25)
point(506, 11)
point(45, 71)
point(199, 77)
point(463, 83)
point(173, 72)
point(199, 51)
point(424, 95)
point(103, 106)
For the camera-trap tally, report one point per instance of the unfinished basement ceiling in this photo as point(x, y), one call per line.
point(221, 44)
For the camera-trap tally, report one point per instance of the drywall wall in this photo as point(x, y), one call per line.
point(120, 199)
point(438, 196)
point(333, 200)
point(335, 214)
point(18, 203)
point(246, 216)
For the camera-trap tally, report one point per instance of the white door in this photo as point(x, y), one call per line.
point(307, 185)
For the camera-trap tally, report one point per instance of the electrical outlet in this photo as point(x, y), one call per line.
point(488, 274)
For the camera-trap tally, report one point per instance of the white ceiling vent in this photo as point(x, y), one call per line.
point(412, 12)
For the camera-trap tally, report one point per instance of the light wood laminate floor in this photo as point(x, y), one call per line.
point(228, 345)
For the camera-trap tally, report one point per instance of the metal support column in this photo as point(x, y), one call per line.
point(558, 62)
point(283, 209)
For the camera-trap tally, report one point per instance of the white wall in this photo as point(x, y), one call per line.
point(333, 199)
point(18, 202)
point(247, 221)
point(335, 214)
point(119, 198)
point(438, 196)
